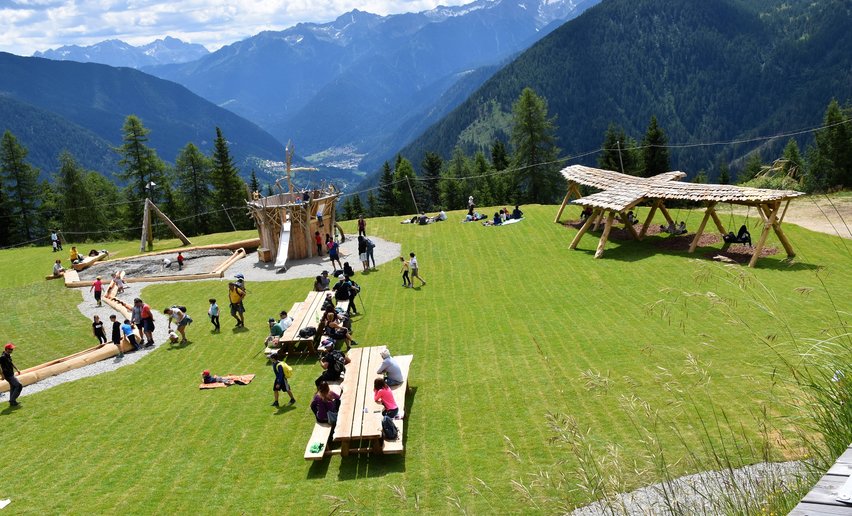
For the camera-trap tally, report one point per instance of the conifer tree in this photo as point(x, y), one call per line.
point(482, 191)
point(499, 156)
point(752, 168)
point(431, 167)
point(830, 159)
point(404, 182)
point(229, 191)
point(793, 162)
point(21, 182)
point(619, 152)
point(372, 204)
point(193, 170)
point(387, 202)
point(537, 178)
point(655, 153)
point(254, 184)
point(724, 174)
point(357, 206)
point(74, 195)
point(141, 166)
point(346, 209)
point(454, 191)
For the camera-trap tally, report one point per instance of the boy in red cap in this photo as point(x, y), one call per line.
point(8, 369)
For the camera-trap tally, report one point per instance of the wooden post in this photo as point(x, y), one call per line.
point(146, 222)
point(562, 208)
point(177, 232)
point(583, 229)
point(770, 222)
point(649, 219)
point(605, 235)
point(666, 214)
point(598, 220)
point(718, 222)
point(629, 226)
point(700, 231)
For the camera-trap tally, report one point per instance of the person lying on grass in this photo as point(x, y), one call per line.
point(206, 377)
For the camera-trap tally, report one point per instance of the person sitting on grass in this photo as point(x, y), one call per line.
point(181, 319)
point(58, 269)
point(516, 213)
point(206, 377)
point(325, 404)
point(382, 394)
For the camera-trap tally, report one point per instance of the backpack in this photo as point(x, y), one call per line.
point(181, 308)
point(370, 244)
point(337, 361)
point(389, 430)
point(307, 331)
point(288, 371)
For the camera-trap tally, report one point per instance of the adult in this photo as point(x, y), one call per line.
point(285, 320)
point(370, 248)
point(326, 282)
point(415, 268)
point(343, 292)
point(362, 252)
point(98, 287)
point(318, 286)
point(58, 269)
point(55, 241)
point(281, 383)
point(333, 364)
point(181, 320)
point(517, 213)
point(362, 226)
point(325, 404)
point(333, 253)
point(236, 294)
point(406, 281)
point(8, 368)
point(335, 329)
point(383, 395)
point(146, 318)
point(98, 330)
point(116, 334)
point(390, 369)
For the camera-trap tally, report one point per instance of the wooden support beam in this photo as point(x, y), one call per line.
point(784, 213)
point(562, 208)
point(629, 226)
point(605, 235)
point(700, 231)
point(583, 229)
point(177, 232)
point(649, 219)
point(770, 222)
point(717, 221)
point(598, 220)
point(146, 222)
point(666, 214)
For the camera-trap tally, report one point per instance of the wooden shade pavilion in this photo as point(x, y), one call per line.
point(621, 193)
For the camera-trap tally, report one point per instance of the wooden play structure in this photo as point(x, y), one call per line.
point(287, 221)
point(620, 193)
point(148, 229)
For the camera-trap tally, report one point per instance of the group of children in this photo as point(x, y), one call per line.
point(119, 330)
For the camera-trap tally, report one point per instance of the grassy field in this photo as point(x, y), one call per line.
point(512, 325)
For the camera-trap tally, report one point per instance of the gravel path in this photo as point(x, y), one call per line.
point(249, 266)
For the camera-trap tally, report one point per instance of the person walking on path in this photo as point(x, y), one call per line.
point(415, 269)
point(180, 261)
point(370, 248)
point(213, 312)
point(236, 294)
point(406, 281)
point(362, 253)
point(181, 320)
point(8, 368)
point(98, 287)
point(333, 254)
point(98, 330)
point(362, 226)
point(55, 241)
point(281, 383)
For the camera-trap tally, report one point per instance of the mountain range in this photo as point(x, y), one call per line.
point(115, 52)
point(364, 78)
point(709, 71)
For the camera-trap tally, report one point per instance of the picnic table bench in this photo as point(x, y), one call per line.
point(833, 493)
point(304, 314)
point(359, 420)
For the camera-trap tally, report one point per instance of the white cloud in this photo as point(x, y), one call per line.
point(30, 25)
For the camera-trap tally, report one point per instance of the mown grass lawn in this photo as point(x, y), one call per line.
point(511, 325)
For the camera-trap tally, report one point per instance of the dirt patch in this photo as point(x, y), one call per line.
point(195, 262)
point(831, 215)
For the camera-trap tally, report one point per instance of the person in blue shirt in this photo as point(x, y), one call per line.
point(127, 330)
point(281, 383)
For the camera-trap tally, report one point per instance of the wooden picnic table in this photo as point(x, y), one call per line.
point(307, 313)
point(832, 495)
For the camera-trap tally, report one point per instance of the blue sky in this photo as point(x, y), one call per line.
point(30, 25)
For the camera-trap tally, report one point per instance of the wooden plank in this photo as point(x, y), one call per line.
point(825, 491)
point(349, 388)
point(320, 434)
point(602, 242)
point(701, 227)
point(177, 232)
point(582, 231)
point(395, 447)
point(717, 221)
point(371, 426)
point(666, 213)
point(815, 509)
point(364, 375)
point(649, 219)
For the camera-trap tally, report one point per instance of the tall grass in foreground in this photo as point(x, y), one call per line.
point(813, 379)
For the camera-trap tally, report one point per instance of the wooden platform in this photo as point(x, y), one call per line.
point(308, 313)
point(832, 495)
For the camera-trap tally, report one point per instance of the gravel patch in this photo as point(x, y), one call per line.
point(701, 493)
point(196, 261)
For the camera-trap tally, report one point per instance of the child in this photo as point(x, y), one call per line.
point(281, 383)
point(127, 329)
point(213, 312)
point(383, 395)
point(116, 334)
point(180, 261)
point(119, 283)
point(206, 377)
point(98, 287)
point(406, 281)
point(98, 330)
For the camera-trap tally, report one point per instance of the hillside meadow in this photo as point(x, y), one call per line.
point(510, 327)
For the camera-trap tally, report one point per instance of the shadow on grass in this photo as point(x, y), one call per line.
point(285, 407)
point(177, 347)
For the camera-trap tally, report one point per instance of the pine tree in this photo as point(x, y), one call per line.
point(254, 184)
point(793, 162)
point(620, 152)
point(229, 191)
point(193, 170)
point(357, 206)
point(372, 204)
point(404, 181)
point(830, 159)
point(141, 166)
point(21, 182)
point(346, 208)
point(431, 174)
point(499, 156)
point(655, 153)
point(387, 202)
point(453, 190)
point(537, 176)
point(752, 168)
point(482, 191)
point(75, 199)
point(700, 177)
point(724, 174)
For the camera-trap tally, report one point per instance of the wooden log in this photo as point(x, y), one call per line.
point(701, 227)
point(649, 219)
point(599, 219)
point(666, 214)
point(605, 235)
point(770, 221)
point(168, 222)
point(238, 255)
point(562, 207)
point(583, 229)
point(717, 221)
point(629, 226)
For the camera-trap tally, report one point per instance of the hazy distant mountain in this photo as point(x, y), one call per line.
point(118, 53)
point(709, 71)
point(358, 80)
point(98, 98)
